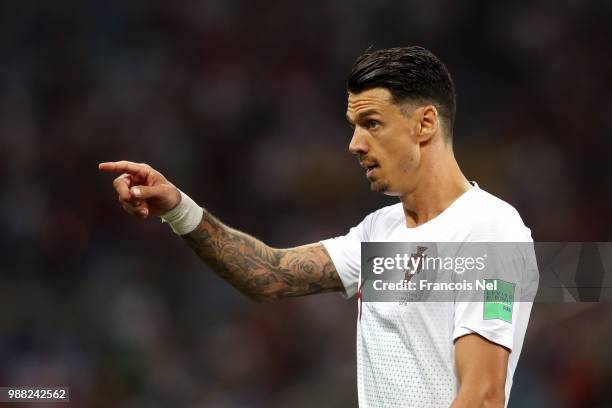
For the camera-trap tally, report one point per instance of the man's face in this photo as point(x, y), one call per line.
point(384, 141)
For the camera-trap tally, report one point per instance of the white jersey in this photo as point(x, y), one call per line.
point(405, 352)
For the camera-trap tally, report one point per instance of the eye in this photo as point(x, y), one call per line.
point(372, 124)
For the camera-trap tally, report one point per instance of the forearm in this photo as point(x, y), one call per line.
point(256, 269)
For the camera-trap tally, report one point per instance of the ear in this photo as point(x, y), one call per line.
point(428, 122)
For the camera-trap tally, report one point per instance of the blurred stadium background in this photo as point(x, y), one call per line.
point(241, 104)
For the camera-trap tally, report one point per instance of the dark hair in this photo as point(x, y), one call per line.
point(409, 74)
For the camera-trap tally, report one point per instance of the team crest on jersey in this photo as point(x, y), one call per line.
point(417, 259)
point(415, 266)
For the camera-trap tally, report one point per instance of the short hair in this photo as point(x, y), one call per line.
point(410, 74)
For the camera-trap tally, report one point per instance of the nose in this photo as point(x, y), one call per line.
point(358, 143)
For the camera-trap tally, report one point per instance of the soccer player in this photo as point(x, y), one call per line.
point(401, 107)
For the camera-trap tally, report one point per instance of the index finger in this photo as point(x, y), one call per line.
point(124, 166)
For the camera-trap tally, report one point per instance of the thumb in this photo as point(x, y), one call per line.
point(145, 192)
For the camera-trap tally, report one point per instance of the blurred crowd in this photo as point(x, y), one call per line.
point(241, 104)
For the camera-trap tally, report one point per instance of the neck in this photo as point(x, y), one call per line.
point(440, 183)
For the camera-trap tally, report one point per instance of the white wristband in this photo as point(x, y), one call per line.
point(185, 217)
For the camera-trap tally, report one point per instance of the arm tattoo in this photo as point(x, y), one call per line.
point(259, 271)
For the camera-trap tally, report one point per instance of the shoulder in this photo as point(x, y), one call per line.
point(383, 219)
point(390, 212)
point(493, 219)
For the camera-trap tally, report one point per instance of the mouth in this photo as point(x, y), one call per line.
point(370, 168)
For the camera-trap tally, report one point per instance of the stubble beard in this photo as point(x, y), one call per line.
point(379, 186)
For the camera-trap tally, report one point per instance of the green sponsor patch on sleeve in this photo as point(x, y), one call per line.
point(498, 302)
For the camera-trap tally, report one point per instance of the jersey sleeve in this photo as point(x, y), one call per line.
point(345, 252)
point(469, 319)
point(500, 315)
